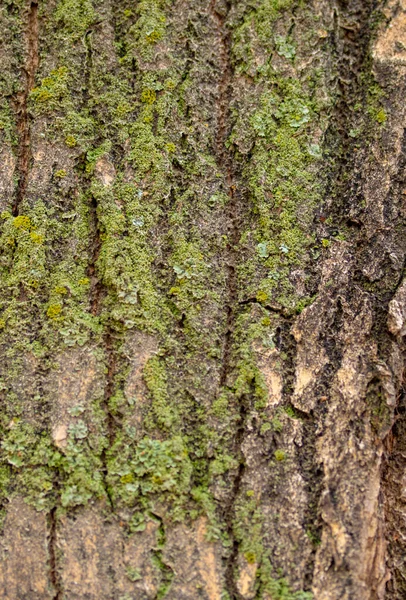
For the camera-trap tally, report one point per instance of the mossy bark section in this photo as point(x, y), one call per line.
point(202, 257)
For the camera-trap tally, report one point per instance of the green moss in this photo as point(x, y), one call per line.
point(262, 297)
point(125, 261)
point(148, 96)
point(278, 587)
point(133, 574)
point(380, 116)
point(78, 129)
point(247, 527)
point(277, 426)
point(37, 238)
point(250, 557)
point(374, 98)
point(280, 455)
point(70, 141)
point(52, 90)
point(284, 48)
point(54, 310)
point(222, 464)
point(21, 243)
point(144, 152)
point(8, 129)
point(149, 27)
point(284, 188)
point(81, 470)
point(150, 468)
point(93, 155)
point(29, 455)
point(75, 16)
point(155, 377)
point(22, 222)
point(254, 29)
point(60, 289)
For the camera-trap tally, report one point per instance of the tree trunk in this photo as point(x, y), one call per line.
point(202, 299)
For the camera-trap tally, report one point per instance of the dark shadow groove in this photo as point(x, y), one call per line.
point(21, 108)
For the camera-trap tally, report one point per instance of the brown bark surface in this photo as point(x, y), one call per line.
point(202, 299)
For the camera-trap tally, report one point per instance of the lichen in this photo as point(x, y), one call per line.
point(52, 90)
point(75, 16)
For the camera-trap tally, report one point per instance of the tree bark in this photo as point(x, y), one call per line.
point(202, 299)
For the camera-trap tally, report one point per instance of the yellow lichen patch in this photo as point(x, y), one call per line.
point(37, 238)
point(60, 289)
point(54, 310)
point(22, 222)
point(70, 141)
point(148, 96)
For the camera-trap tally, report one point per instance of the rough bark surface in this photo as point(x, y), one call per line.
point(202, 299)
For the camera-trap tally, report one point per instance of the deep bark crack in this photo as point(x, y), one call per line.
point(97, 293)
point(393, 469)
point(53, 558)
point(225, 161)
point(230, 512)
point(166, 570)
point(21, 108)
point(98, 290)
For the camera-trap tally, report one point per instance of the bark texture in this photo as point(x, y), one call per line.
point(202, 299)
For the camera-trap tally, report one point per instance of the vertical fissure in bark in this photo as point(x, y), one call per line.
point(98, 291)
point(54, 574)
point(229, 509)
point(110, 377)
point(96, 288)
point(97, 294)
point(312, 475)
point(394, 458)
point(225, 162)
point(287, 345)
point(350, 42)
point(307, 460)
point(167, 572)
point(21, 107)
point(394, 500)
point(88, 65)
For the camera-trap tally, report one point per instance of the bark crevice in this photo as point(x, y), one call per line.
point(232, 307)
point(21, 107)
point(225, 162)
point(98, 290)
point(54, 574)
point(230, 512)
point(393, 469)
point(97, 294)
point(167, 572)
point(350, 42)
